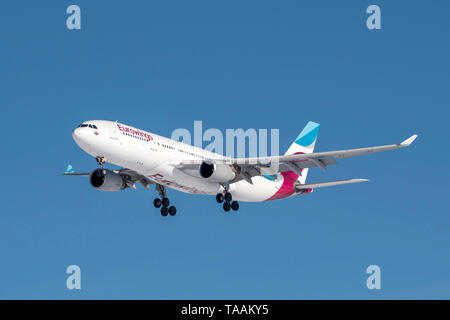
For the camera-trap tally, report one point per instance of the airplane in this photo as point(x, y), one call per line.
point(148, 159)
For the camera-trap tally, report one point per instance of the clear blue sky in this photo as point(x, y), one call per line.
point(233, 64)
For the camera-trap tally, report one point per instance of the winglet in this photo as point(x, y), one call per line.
point(408, 141)
point(69, 169)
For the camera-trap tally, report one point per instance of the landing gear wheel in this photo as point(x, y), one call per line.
point(165, 202)
point(172, 210)
point(219, 197)
point(157, 203)
point(164, 211)
point(235, 205)
point(226, 206)
point(228, 197)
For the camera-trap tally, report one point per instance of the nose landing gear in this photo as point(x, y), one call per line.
point(100, 161)
point(164, 202)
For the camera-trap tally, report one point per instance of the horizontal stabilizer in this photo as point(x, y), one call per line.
point(327, 184)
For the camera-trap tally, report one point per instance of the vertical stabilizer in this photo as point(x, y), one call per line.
point(305, 143)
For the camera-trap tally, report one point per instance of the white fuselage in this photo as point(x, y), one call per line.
point(151, 155)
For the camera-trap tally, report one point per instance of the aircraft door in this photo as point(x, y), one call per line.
point(113, 132)
point(153, 145)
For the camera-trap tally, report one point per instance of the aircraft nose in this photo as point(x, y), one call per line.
point(79, 135)
point(76, 134)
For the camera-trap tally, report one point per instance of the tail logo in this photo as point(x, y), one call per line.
point(308, 134)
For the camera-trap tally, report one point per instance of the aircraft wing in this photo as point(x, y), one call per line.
point(130, 176)
point(76, 173)
point(250, 167)
point(320, 159)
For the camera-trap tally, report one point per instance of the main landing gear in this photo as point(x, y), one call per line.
point(164, 202)
point(227, 198)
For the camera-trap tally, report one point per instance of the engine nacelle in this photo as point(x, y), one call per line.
point(216, 172)
point(106, 180)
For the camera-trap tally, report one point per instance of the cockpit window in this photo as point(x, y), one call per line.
point(85, 125)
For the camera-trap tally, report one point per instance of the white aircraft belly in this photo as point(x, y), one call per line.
point(174, 178)
point(123, 154)
point(243, 191)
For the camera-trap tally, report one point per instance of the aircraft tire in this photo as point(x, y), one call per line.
point(157, 203)
point(228, 197)
point(165, 202)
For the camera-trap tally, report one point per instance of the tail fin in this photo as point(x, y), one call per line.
point(304, 143)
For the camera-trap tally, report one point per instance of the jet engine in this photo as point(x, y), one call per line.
point(216, 172)
point(106, 180)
